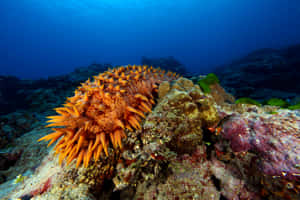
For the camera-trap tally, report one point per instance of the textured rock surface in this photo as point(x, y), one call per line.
point(189, 177)
point(173, 128)
point(267, 145)
point(15, 124)
point(29, 158)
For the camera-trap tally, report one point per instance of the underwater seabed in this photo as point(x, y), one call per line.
point(179, 139)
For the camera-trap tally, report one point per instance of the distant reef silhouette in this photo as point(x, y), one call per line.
point(265, 73)
point(262, 74)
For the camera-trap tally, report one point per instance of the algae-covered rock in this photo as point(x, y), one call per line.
point(180, 116)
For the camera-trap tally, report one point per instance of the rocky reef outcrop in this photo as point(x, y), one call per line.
point(262, 74)
point(40, 95)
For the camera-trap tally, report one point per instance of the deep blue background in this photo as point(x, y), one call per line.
point(39, 38)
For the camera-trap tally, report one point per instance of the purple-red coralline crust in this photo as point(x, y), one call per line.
point(236, 131)
point(274, 138)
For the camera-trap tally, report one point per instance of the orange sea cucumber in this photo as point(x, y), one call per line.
point(99, 112)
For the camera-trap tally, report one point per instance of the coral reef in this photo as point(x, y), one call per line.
point(193, 145)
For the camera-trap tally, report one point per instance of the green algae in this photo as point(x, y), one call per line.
point(272, 112)
point(19, 179)
point(294, 107)
point(277, 102)
point(205, 83)
point(246, 100)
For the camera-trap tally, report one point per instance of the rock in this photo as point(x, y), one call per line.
point(9, 98)
point(172, 130)
point(180, 116)
point(265, 73)
point(275, 139)
point(44, 94)
point(263, 145)
point(220, 95)
point(187, 177)
point(9, 159)
point(163, 89)
point(231, 185)
point(14, 125)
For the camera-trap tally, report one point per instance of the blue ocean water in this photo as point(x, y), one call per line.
point(233, 134)
point(41, 38)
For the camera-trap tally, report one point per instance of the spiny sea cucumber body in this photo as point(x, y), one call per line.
point(99, 112)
